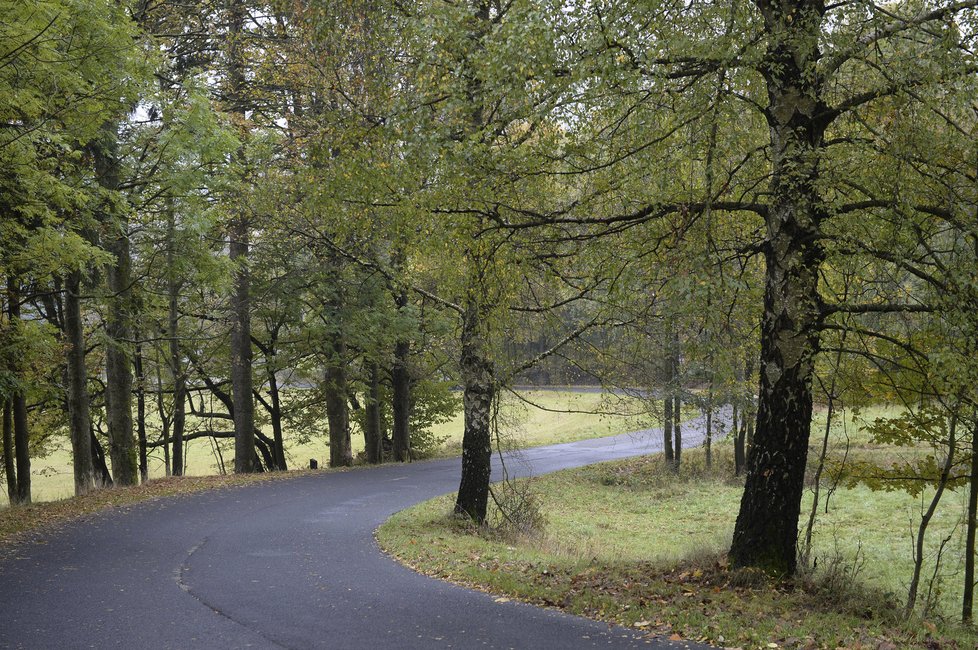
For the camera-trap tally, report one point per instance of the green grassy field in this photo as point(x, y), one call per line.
point(520, 423)
point(649, 547)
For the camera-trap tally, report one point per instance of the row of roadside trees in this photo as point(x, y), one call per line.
point(210, 206)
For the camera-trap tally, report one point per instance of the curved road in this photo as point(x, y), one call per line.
point(285, 564)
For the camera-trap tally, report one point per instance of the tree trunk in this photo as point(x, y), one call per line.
point(667, 421)
point(263, 452)
point(164, 418)
point(241, 355)
point(278, 450)
point(766, 532)
point(77, 387)
point(337, 406)
point(175, 358)
point(118, 321)
point(373, 436)
point(479, 393)
point(675, 354)
point(708, 442)
point(239, 233)
point(22, 448)
point(401, 393)
point(141, 413)
point(102, 476)
point(740, 451)
point(967, 601)
point(9, 468)
point(22, 453)
point(677, 431)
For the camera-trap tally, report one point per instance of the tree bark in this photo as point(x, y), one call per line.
point(708, 442)
point(239, 233)
point(401, 393)
point(675, 354)
point(337, 406)
point(766, 532)
point(278, 450)
point(103, 477)
point(478, 396)
point(118, 321)
point(9, 468)
point(77, 388)
point(373, 436)
point(22, 455)
point(141, 413)
point(667, 421)
point(241, 354)
point(175, 358)
point(740, 451)
point(677, 431)
point(967, 601)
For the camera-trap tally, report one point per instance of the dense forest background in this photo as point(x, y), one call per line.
point(268, 215)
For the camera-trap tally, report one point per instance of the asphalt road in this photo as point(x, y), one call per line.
point(284, 564)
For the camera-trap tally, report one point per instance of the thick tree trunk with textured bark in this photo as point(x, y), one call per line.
point(22, 454)
point(80, 421)
point(373, 435)
point(479, 393)
point(766, 532)
point(118, 320)
point(401, 394)
point(239, 233)
point(337, 406)
point(241, 354)
point(118, 373)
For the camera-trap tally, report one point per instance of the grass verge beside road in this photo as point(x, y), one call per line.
point(629, 542)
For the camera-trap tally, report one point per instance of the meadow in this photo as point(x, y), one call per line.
point(634, 543)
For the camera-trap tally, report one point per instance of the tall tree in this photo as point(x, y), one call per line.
point(239, 234)
point(118, 320)
point(21, 434)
